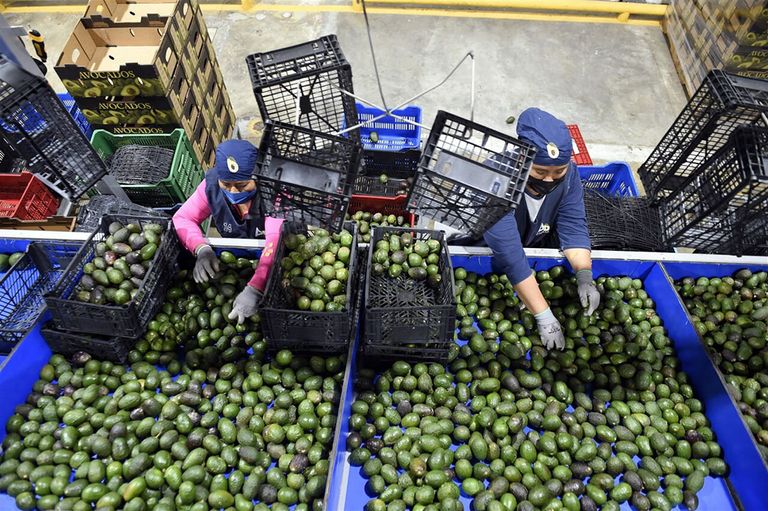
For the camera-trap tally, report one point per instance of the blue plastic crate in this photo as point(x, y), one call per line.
point(394, 134)
point(77, 115)
point(28, 119)
point(23, 286)
point(613, 179)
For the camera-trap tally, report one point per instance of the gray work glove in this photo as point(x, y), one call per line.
point(206, 266)
point(588, 293)
point(550, 331)
point(246, 304)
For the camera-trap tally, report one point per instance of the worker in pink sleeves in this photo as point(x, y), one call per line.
point(228, 194)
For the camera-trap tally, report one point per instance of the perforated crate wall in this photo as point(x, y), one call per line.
point(23, 286)
point(129, 320)
point(486, 159)
point(721, 104)
point(286, 327)
point(405, 318)
point(39, 128)
point(736, 177)
point(313, 155)
point(302, 85)
point(708, 234)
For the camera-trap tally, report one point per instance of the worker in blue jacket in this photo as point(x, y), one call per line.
point(553, 210)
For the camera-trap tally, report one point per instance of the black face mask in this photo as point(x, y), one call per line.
point(541, 187)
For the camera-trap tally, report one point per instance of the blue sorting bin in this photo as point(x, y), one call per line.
point(612, 179)
point(347, 484)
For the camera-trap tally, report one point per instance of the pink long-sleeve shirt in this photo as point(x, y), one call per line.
point(196, 209)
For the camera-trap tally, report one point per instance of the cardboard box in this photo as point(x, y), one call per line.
point(130, 10)
point(140, 130)
point(180, 90)
point(123, 111)
point(201, 140)
point(190, 116)
point(54, 223)
point(116, 61)
point(203, 89)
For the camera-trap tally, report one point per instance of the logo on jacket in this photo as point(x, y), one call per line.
point(543, 229)
point(227, 227)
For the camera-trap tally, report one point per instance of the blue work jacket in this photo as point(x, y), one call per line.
point(562, 211)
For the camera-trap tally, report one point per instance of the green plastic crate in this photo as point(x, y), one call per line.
point(182, 180)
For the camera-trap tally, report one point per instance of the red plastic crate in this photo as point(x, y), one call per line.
point(25, 197)
point(388, 205)
point(580, 154)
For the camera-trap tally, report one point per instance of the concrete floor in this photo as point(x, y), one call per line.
point(618, 83)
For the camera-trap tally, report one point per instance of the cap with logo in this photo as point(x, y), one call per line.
point(235, 160)
point(548, 134)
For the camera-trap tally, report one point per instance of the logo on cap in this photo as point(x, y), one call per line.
point(232, 164)
point(552, 150)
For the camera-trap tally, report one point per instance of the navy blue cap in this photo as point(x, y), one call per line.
point(235, 160)
point(549, 134)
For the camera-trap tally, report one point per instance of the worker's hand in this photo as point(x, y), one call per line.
point(206, 266)
point(246, 304)
point(550, 331)
point(588, 293)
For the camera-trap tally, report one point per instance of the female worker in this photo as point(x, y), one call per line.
point(553, 211)
point(228, 194)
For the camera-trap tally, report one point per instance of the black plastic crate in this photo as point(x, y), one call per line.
point(750, 236)
point(736, 176)
point(136, 164)
point(129, 320)
point(469, 176)
point(721, 104)
point(37, 125)
point(303, 85)
point(709, 234)
point(285, 327)
point(306, 176)
point(754, 236)
point(22, 288)
point(623, 223)
point(398, 166)
point(9, 158)
point(89, 215)
point(372, 186)
point(405, 318)
point(114, 349)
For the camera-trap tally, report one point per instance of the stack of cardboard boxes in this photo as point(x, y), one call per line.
point(145, 67)
point(718, 34)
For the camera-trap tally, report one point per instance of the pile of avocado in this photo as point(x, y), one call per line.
point(402, 254)
point(196, 316)
point(731, 314)
point(8, 260)
point(316, 269)
point(366, 221)
point(120, 264)
point(254, 434)
point(218, 426)
point(609, 419)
